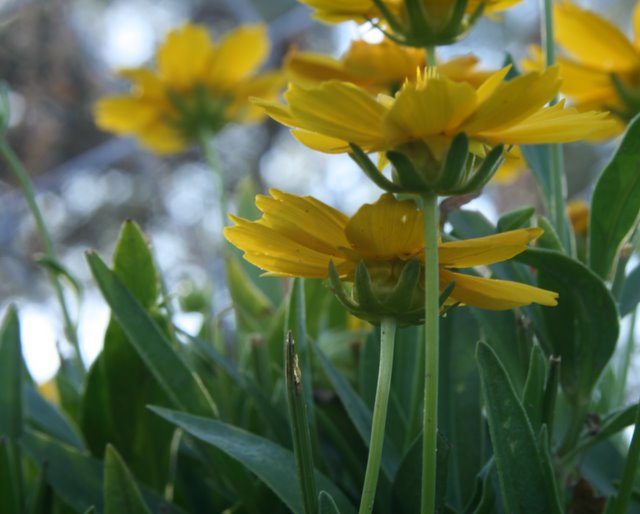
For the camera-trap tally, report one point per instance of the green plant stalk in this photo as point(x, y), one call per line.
point(629, 349)
point(300, 429)
point(211, 157)
point(556, 201)
point(431, 56)
point(387, 342)
point(413, 427)
point(26, 186)
point(577, 417)
point(620, 504)
point(431, 328)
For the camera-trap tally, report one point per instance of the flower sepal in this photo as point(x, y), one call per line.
point(628, 95)
point(372, 299)
point(417, 171)
point(416, 26)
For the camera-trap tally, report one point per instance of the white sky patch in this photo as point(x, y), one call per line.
point(39, 336)
point(129, 38)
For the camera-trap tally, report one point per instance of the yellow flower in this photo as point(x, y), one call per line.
point(578, 212)
point(418, 23)
point(299, 236)
point(198, 85)
point(334, 11)
point(601, 66)
point(432, 110)
point(379, 68)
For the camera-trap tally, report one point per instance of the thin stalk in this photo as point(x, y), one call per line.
point(387, 342)
point(556, 200)
point(577, 416)
point(620, 504)
point(300, 429)
point(26, 186)
point(413, 427)
point(629, 350)
point(213, 160)
point(432, 307)
point(431, 56)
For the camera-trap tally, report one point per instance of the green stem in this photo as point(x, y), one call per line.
point(431, 56)
point(577, 416)
point(413, 427)
point(556, 200)
point(620, 504)
point(432, 307)
point(210, 154)
point(24, 182)
point(387, 341)
point(623, 373)
point(300, 429)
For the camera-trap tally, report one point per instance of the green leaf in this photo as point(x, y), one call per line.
point(550, 239)
point(610, 425)
point(616, 203)
point(133, 264)
point(251, 304)
point(183, 387)
point(96, 420)
point(357, 411)
point(515, 219)
point(533, 395)
point(76, 478)
point(121, 494)
point(46, 417)
point(11, 376)
point(538, 159)
point(272, 464)
point(460, 408)
point(10, 477)
point(327, 504)
point(587, 342)
point(630, 292)
point(520, 463)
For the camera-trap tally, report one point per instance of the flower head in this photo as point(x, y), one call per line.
point(600, 68)
point(378, 67)
point(300, 236)
point(416, 23)
point(426, 116)
point(198, 85)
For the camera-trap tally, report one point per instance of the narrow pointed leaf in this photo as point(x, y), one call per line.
point(586, 344)
point(630, 292)
point(11, 376)
point(181, 385)
point(272, 464)
point(121, 494)
point(524, 487)
point(616, 203)
point(327, 504)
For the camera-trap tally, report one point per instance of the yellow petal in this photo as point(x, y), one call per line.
point(265, 86)
point(494, 294)
point(555, 125)
point(238, 54)
point(514, 101)
point(486, 250)
point(420, 110)
point(386, 229)
point(275, 252)
point(636, 25)
point(340, 110)
point(125, 114)
point(336, 11)
point(162, 138)
point(593, 40)
point(309, 67)
point(305, 220)
point(145, 83)
point(321, 143)
point(183, 57)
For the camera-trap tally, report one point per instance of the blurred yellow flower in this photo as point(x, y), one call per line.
point(334, 11)
point(298, 236)
point(601, 66)
point(378, 67)
point(198, 86)
point(578, 212)
point(433, 110)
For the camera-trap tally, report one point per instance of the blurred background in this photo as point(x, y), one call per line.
point(58, 58)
